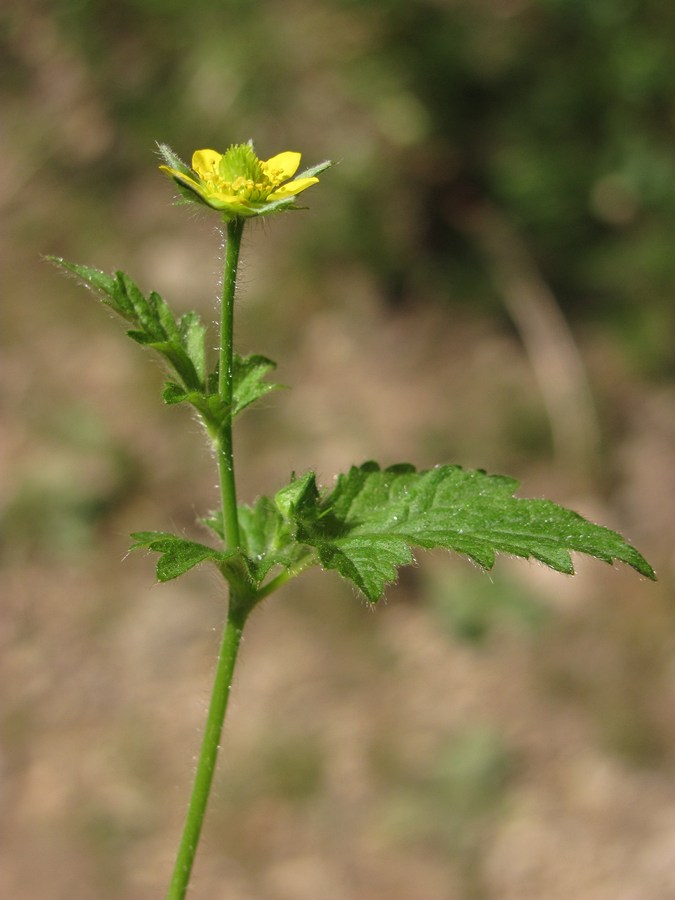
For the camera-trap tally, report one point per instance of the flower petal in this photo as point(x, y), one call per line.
point(205, 163)
point(184, 180)
point(283, 165)
point(292, 188)
point(221, 200)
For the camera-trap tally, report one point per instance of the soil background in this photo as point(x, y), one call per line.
point(453, 294)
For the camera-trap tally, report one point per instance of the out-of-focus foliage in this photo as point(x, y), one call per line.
point(365, 744)
point(560, 115)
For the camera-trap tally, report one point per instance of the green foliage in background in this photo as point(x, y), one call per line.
point(558, 114)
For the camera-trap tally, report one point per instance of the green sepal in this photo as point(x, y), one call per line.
point(314, 170)
point(183, 171)
point(178, 555)
point(173, 160)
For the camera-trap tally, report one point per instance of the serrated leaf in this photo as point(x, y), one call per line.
point(247, 383)
point(266, 538)
point(209, 406)
point(106, 286)
point(143, 314)
point(164, 316)
point(370, 561)
point(247, 387)
point(154, 325)
point(366, 526)
point(177, 554)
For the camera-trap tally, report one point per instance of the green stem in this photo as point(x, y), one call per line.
point(283, 577)
point(228, 494)
point(239, 605)
point(209, 752)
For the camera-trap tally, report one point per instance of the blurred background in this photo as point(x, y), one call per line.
point(486, 278)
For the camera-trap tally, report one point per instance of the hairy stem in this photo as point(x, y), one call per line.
point(209, 752)
point(228, 494)
point(239, 606)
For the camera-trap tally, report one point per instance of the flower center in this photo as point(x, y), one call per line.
point(239, 173)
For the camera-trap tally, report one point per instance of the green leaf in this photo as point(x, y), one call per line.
point(193, 338)
point(178, 554)
point(365, 527)
point(370, 561)
point(181, 343)
point(248, 385)
point(174, 393)
point(299, 500)
point(266, 538)
point(144, 311)
point(263, 529)
point(106, 286)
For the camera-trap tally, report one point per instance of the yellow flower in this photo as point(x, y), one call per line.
point(237, 183)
